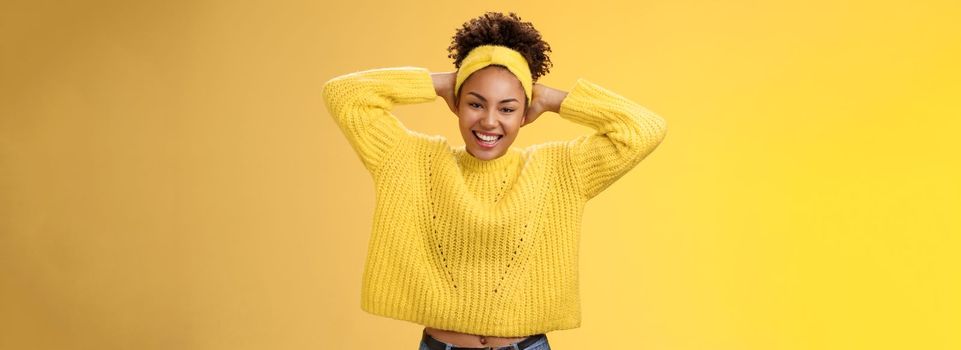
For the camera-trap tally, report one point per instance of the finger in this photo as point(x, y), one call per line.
point(531, 114)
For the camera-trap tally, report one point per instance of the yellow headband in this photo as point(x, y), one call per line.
point(485, 55)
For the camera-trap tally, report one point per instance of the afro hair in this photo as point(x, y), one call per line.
point(494, 28)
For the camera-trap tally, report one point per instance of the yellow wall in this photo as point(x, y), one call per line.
point(170, 177)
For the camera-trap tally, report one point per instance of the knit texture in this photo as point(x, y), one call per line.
point(474, 246)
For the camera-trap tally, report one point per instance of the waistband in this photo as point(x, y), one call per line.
point(435, 344)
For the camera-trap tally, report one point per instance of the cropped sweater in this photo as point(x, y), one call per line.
point(474, 246)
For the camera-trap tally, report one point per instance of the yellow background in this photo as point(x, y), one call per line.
point(170, 177)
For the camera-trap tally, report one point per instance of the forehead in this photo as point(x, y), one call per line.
point(493, 82)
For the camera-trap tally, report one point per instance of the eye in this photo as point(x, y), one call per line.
point(508, 110)
point(474, 104)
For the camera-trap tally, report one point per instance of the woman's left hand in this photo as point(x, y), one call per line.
point(543, 99)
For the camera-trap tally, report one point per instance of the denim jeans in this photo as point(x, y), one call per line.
point(540, 344)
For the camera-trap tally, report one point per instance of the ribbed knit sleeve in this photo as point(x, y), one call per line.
point(625, 134)
point(361, 104)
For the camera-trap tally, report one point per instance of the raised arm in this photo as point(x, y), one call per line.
point(361, 104)
point(625, 134)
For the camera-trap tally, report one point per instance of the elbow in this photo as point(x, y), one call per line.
point(328, 90)
point(648, 131)
point(660, 128)
point(328, 93)
point(341, 85)
point(341, 92)
point(332, 87)
point(650, 126)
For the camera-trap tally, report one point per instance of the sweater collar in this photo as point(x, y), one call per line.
point(469, 163)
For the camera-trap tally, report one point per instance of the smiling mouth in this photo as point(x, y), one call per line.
point(486, 140)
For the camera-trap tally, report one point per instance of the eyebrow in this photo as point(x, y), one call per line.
point(485, 100)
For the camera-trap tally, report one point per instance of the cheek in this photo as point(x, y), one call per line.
point(465, 121)
point(468, 117)
point(515, 123)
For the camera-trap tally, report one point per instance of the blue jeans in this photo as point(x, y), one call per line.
point(540, 344)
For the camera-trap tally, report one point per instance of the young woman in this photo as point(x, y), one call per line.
point(479, 244)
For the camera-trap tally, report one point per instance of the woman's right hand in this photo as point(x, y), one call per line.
point(444, 86)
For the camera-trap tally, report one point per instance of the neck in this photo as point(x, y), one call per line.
point(469, 163)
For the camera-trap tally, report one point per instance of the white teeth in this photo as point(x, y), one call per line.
point(486, 137)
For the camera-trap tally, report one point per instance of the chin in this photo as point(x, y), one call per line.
point(485, 154)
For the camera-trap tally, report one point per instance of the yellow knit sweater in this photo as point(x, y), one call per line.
point(474, 246)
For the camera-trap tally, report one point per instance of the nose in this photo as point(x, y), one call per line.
point(489, 121)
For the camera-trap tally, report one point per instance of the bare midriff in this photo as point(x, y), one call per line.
point(469, 340)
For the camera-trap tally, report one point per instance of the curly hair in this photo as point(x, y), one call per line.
point(494, 28)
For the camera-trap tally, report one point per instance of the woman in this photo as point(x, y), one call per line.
point(479, 244)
